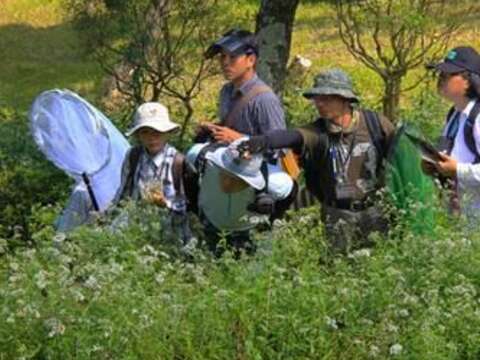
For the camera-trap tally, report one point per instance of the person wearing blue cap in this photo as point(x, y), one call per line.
point(459, 83)
point(247, 106)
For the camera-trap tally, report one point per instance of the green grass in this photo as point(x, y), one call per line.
point(39, 52)
point(42, 51)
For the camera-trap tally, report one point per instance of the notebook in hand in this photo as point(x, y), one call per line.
point(428, 151)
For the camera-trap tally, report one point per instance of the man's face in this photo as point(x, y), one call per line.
point(234, 67)
point(330, 106)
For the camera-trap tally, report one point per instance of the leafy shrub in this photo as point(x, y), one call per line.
point(27, 180)
point(126, 294)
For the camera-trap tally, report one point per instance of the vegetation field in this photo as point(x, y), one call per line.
point(98, 293)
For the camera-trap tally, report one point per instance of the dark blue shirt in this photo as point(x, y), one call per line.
point(262, 114)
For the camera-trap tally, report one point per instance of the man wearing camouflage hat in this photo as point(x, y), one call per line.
point(341, 152)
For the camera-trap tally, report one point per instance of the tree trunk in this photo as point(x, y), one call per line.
point(391, 98)
point(274, 30)
point(187, 103)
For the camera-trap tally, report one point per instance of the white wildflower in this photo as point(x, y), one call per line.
point(96, 348)
point(374, 351)
point(278, 223)
point(392, 328)
point(150, 249)
point(362, 253)
point(40, 280)
point(14, 266)
point(30, 253)
point(59, 238)
point(54, 327)
point(343, 291)
point(305, 219)
point(116, 268)
point(78, 295)
point(160, 278)
point(366, 322)
point(3, 246)
point(222, 292)
point(396, 349)
point(332, 323)
point(92, 283)
point(403, 313)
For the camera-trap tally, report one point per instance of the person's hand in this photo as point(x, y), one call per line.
point(153, 194)
point(428, 168)
point(157, 198)
point(447, 166)
point(224, 134)
point(202, 132)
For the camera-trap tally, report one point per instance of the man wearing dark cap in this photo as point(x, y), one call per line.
point(459, 83)
point(341, 154)
point(247, 105)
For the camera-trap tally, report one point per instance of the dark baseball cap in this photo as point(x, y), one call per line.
point(235, 42)
point(459, 59)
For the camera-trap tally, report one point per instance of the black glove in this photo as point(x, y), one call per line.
point(203, 135)
point(255, 144)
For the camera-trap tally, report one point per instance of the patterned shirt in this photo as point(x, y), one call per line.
point(157, 169)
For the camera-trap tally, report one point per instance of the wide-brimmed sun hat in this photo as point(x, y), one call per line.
point(153, 115)
point(229, 159)
point(332, 82)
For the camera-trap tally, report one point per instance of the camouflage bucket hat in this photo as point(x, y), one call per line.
point(332, 82)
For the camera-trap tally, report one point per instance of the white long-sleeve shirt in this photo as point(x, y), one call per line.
point(468, 174)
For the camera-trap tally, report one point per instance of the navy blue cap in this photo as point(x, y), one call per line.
point(459, 59)
point(235, 42)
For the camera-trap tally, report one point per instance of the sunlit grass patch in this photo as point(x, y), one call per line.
point(40, 52)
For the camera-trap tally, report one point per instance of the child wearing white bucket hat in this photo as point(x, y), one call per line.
point(152, 171)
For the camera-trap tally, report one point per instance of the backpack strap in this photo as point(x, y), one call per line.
point(133, 158)
point(177, 172)
point(376, 132)
point(201, 162)
point(264, 171)
point(242, 102)
point(449, 114)
point(468, 131)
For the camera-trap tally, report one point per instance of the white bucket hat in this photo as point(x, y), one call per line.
point(249, 170)
point(153, 115)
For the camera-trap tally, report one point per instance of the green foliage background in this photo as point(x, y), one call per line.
point(101, 294)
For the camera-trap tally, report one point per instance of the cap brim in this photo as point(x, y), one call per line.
point(257, 182)
point(163, 128)
point(345, 94)
point(230, 45)
point(447, 67)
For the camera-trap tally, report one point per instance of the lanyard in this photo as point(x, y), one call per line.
point(453, 126)
point(339, 162)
